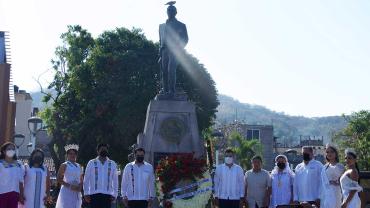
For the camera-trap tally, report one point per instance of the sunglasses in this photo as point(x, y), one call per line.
point(349, 158)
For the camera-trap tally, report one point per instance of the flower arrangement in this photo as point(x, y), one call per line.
point(183, 167)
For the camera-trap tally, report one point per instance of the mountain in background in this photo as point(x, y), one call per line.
point(287, 128)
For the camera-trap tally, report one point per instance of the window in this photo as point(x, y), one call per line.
point(253, 134)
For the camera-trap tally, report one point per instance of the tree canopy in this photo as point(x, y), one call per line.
point(103, 87)
point(357, 136)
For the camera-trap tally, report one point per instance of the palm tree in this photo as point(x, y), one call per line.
point(245, 149)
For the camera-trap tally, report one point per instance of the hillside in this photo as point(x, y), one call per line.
point(286, 127)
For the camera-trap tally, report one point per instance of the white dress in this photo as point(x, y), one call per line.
point(35, 187)
point(349, 185)
point(68, 198)
point(331, 196)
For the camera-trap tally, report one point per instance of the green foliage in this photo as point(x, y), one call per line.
point(357, 135)
point(245, 149)
point(103, 87)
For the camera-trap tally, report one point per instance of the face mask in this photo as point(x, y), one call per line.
point(10, 153)
point(281, 166)
point(229, 160)
point(37, 159)
point(103, 153)
point(140, 159)
point(306, 157)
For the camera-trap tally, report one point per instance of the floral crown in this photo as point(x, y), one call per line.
point(71, 146)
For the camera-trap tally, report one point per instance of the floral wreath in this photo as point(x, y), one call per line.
point(174, 169)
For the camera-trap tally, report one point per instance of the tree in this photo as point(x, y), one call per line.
point(103, 86)
point(357, 135)
point(245, 149)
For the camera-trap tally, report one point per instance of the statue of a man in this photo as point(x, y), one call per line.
point(173, 37)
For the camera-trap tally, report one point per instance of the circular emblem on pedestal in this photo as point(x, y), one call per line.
point(172, 129)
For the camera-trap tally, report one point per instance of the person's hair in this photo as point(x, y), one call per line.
point(139, 149)
point(257, 157)
point(310, 148)
point(336, 154)
point(3, 149)
point(356, 165)
point(229, 150)
point(101, 145)
point(32, 162)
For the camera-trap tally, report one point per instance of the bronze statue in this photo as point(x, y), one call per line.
point(173, 37)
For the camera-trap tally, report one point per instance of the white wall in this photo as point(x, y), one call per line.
point(23, 112)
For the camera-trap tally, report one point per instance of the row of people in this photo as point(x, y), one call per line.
point(28, 186)
point(312, 184)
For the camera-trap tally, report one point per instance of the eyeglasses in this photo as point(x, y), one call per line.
point(349, 158)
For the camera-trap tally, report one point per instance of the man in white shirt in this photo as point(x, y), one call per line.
point(257, 185)
point(307, 181)
point(138, 182)
point(229, 183)
point(101, 180)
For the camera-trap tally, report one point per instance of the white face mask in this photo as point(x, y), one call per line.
point(229, 160)
point(10, 153)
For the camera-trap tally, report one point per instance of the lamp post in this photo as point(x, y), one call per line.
point(34, 125)
point(18, 137)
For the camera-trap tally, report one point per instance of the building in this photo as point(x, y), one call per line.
point(23, 113)
point(7, 101)
point(293, 152)
point(263, 133)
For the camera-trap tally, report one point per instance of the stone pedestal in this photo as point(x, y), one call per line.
point(171, 127)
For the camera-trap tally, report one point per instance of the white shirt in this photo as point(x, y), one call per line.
point(282, 183)
point(10, 176)
point(101, 178)
point(307, 181)
point(229, 182)
point(138, 181)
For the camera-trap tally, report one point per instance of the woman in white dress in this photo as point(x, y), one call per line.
point(331, 196)
point(36, 181)
point(349, 182)
point(281, 182)
point(70, 177)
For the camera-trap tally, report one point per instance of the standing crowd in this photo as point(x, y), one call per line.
point(28, 186)
point(310, 185)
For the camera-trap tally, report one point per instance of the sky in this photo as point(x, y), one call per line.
point(309, 58)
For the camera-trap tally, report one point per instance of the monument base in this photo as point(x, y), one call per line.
point(171, 127)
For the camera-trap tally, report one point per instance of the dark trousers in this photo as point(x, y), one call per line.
point(9, 200)
point(225, 203)
point(100, 201)
point(137, 204)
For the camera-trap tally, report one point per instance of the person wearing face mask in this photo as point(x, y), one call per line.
point(70, 177)
point(229, 183)
point(101, 180)
point(257, 185)
point(282, 178)
point(11, 177)
point(307, 181)
point(36, 181)
point(138, 179)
